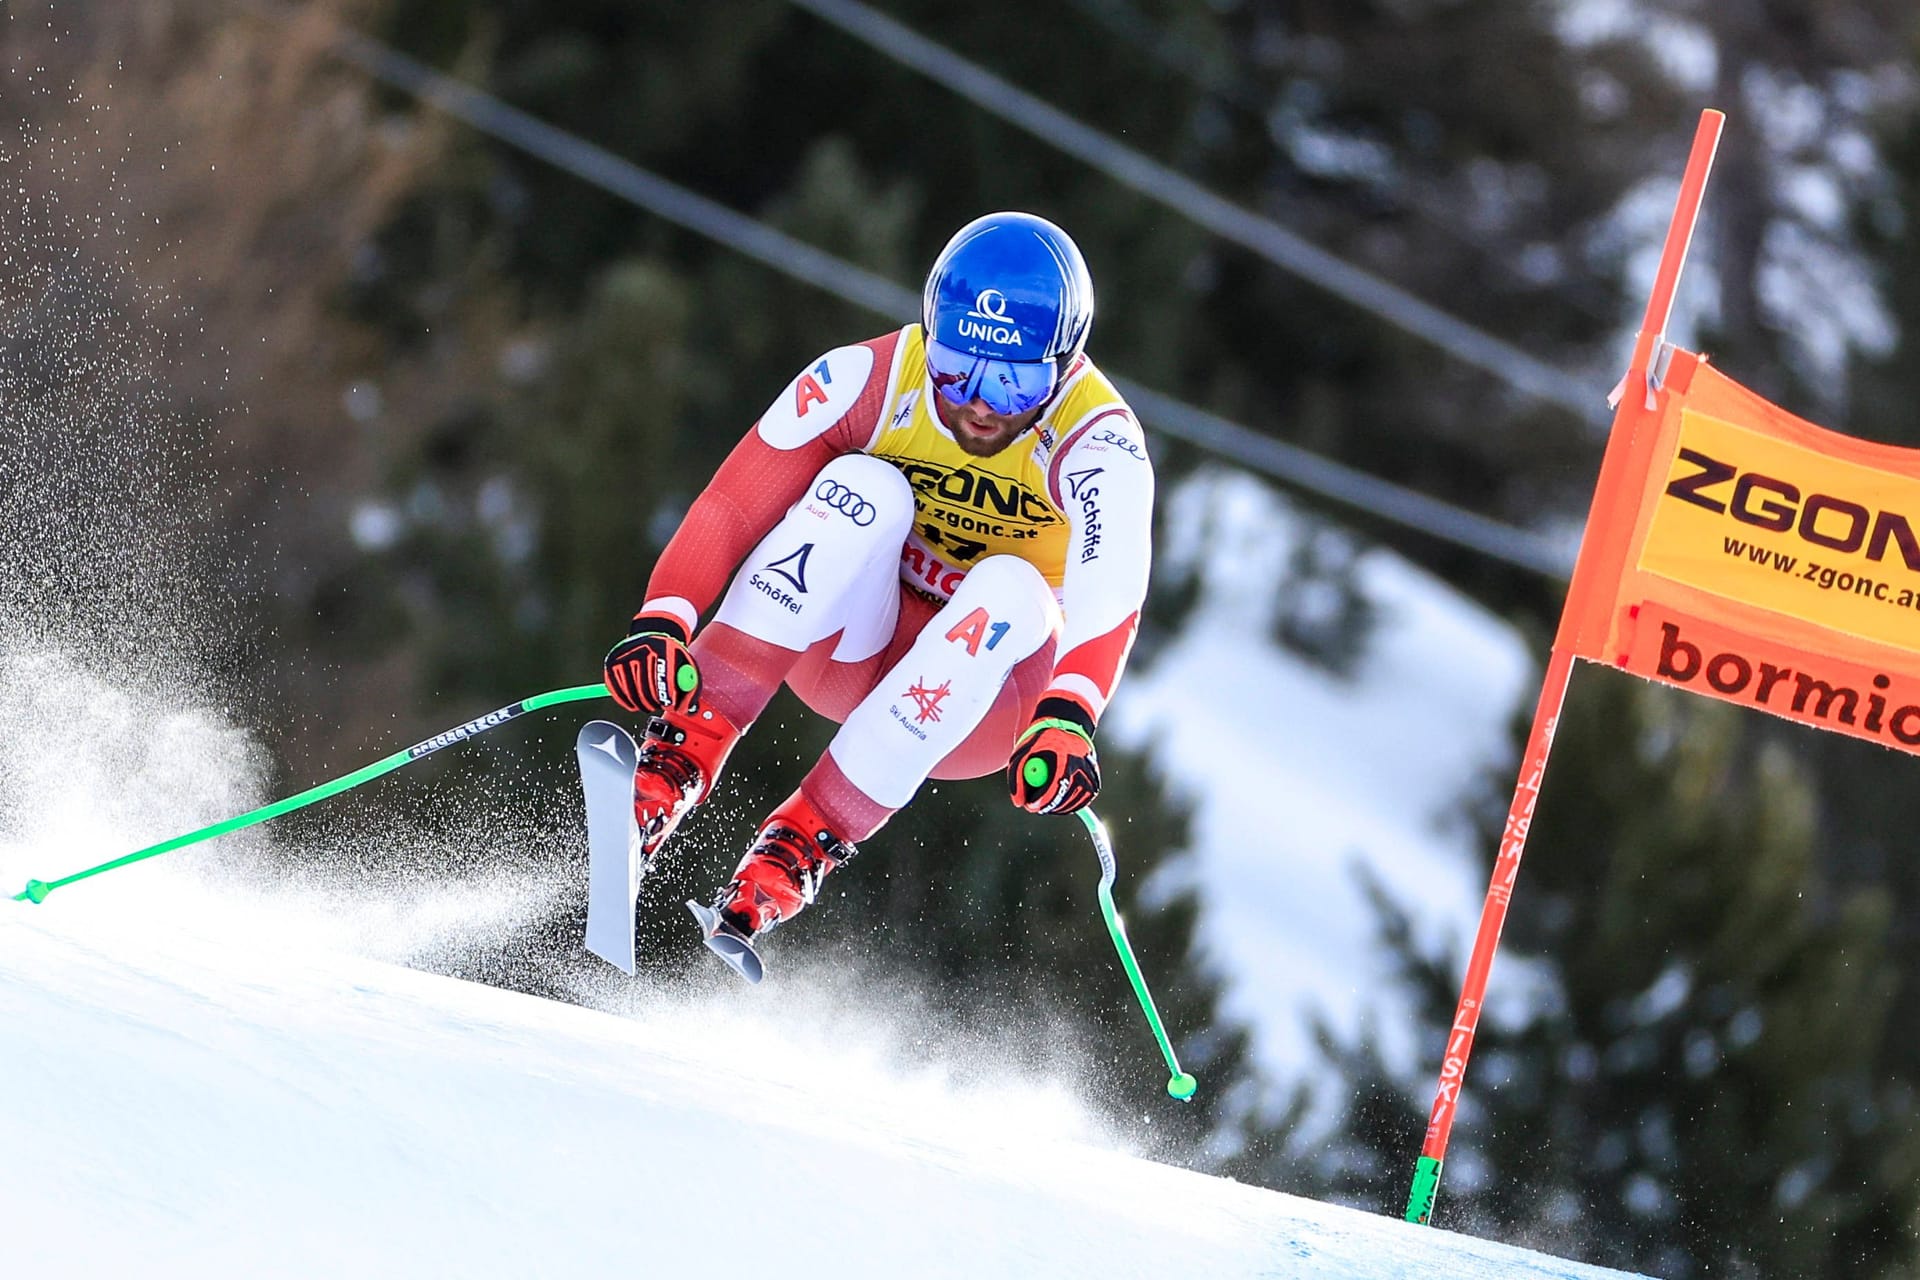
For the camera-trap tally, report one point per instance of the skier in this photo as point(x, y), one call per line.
point(939, 538)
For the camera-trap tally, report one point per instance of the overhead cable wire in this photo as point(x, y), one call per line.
point(1150, 178)
point(601, 168)
point(1172, 53)
point(1379, 498)
point(1176, 55)
point(595, 165)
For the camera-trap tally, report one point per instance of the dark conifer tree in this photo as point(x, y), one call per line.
point(1686, 1068)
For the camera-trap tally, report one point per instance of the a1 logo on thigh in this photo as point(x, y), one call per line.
point(974, 628)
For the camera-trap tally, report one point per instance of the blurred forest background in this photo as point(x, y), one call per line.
point(364, 421)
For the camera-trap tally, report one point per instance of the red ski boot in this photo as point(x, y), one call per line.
point(780, 874)
point(680, 759)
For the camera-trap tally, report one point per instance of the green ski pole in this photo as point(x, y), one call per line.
point(37, 890)
point(1179, 1084)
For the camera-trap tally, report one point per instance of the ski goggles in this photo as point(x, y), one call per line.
point(1007, 386)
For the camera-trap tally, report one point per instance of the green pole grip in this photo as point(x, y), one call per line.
point(37, 890)
point(1426, 1189)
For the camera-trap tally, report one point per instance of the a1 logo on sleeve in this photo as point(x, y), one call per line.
point(808, 391)
point(818, 398)
point(974, 628)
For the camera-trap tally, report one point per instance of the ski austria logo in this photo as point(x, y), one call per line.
point(844, 500)
point(989, 321)
point(927, 700)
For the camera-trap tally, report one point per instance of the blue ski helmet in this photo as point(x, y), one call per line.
point(1007, 307)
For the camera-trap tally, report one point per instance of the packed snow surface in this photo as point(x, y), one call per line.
point(192, 1091)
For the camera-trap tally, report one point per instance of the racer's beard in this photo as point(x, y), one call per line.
point(980, 431)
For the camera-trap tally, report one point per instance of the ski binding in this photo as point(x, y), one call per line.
point(728, 943)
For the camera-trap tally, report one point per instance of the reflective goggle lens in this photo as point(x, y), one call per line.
point(1007, 386)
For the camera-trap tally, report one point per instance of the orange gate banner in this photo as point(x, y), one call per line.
point(1752, 556)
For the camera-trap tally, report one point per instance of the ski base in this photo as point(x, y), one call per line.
point(615, 865)
point(728, 943)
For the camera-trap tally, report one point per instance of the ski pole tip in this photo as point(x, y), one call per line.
point(1182, 1086)
point(36, 891)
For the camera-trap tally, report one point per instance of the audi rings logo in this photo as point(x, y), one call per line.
point(846, 502)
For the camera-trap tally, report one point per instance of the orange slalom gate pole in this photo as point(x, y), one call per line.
point(1589, 599)
point(1493, 918)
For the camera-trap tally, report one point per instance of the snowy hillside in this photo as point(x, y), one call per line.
point(202, 1079)
point(1298, 778)
point(224, 1097)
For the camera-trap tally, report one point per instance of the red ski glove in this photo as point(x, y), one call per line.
point(651, 672)
point(1054, 769)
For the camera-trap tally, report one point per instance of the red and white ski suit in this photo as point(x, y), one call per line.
point(924, 598)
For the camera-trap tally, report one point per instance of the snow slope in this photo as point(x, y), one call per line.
point(219, 1095)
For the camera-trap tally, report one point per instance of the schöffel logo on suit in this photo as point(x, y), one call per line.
point(792, 567)
point(1080, 488)
point(846, 502)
